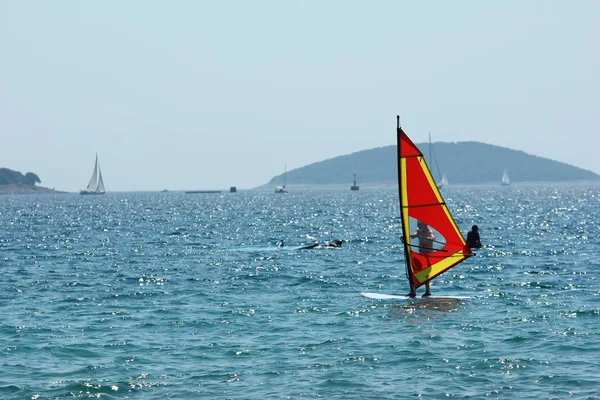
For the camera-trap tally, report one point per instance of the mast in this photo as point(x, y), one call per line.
point(404, 240)
point(354, 186)
point(430, 159)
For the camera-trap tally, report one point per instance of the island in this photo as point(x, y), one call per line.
point(453, 163)
point(14, 182)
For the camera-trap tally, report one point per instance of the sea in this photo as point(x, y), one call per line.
point(154, 295)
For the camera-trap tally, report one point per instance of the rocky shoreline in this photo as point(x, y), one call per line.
point(19, 188)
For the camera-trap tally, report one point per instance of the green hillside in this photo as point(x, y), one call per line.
point(10, 177)
point(14, 182)
point(461, 162)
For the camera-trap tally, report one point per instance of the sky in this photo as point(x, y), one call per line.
point(184, 95)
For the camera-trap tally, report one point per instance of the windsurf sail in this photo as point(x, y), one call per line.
point(421, 200)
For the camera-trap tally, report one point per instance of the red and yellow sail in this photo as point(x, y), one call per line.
point(421, 200)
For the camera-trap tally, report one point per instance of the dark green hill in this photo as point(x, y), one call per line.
point(10, 177)
point(14, 182)
point(461, 162)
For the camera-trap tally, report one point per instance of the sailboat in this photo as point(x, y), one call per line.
point(96, 185)
point(421, 200)
point(281, 188)
point(443, 181)
point(354, 186)
point(505, 181)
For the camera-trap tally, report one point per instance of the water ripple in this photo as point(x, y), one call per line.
point(167, 295)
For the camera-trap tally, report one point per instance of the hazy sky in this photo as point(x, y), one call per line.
point(211, 94)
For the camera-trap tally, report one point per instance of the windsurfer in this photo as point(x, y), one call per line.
point(426, 238)
point(337, 243)
point(420, 199)
point(473, 240)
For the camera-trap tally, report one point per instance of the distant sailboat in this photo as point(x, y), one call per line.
point(96, 185)
point(444, 181)
point(432, 159)
point(505, 178)
point(281, 188)
point(354, 186)
point(421, 201)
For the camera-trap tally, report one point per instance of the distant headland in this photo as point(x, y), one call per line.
point(462, 163)
point(14, 182)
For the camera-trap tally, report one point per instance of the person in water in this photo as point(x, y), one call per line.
point(426, 237)
point(337, 243)
point(473, 240)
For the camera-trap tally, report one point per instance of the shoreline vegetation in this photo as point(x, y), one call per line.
point(14, 182)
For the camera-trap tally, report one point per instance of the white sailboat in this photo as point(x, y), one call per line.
point(96, 185)
point(281, 188)
point(505, 178)
point(444, 181)
point(432, 159)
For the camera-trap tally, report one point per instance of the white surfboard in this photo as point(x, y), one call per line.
point(382, 296)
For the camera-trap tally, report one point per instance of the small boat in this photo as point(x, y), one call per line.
point(96, 185)
point(281, 188)
point(354, 186)
point(505, 181)
point(432, 159)
point(421, 202)
point(443, 182)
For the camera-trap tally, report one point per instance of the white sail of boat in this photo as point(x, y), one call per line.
point(96, 185)
point(444, 181)
point(281, 188)
point(433, 160)
point(505, 178)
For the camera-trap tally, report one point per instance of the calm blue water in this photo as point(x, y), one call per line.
point(172, 295)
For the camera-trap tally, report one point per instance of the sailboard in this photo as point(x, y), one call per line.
point(382, 296)
point(421, 201)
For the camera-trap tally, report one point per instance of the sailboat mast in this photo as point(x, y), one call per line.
point(400, 174)
point(433, 159)
point(430, 147)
